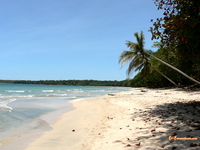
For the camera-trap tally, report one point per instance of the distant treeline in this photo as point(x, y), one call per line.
point(123, 83)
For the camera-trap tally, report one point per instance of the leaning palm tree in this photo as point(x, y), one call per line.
point(138, 61)
point(138, 49)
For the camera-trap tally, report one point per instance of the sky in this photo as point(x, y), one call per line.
point(70, 39)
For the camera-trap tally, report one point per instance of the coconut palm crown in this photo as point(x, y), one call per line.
point(136, 56)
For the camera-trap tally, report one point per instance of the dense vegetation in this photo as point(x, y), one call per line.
point(178, 36)
point(123, 83)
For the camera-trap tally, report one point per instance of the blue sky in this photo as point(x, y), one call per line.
point(70, 39)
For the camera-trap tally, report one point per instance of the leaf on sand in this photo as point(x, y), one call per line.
point(153, 130)
point(162, 146)
point(137, 144)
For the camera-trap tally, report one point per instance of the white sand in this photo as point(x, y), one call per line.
point(126, 121)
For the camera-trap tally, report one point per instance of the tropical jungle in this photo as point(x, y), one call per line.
point(176, 63)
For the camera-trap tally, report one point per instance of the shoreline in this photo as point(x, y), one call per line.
point(30, 131)
point(138, 119)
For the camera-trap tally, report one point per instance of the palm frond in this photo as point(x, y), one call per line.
point(134, 47)
point(140, 40)
point(140, 67)
point(125, 57)
point(131, 67)
point(131, 45)
point(136, 55)
point(136, 64)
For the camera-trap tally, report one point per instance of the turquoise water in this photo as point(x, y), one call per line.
point(22, 103)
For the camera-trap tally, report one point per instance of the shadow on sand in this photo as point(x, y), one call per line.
point(166, 122)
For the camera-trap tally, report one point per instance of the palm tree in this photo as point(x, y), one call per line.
point(141, 53)
point(139, 61)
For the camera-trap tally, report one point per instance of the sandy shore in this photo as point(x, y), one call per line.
point(138, 119)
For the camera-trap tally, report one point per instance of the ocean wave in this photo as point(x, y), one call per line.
point(28, 96)
point(47, 90)
point(77, 91)
point(4, 105)
point(79, 99)
point(56, 95)
point(99, 91)
point(14, 91)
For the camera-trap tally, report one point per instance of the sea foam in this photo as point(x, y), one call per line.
point(4, 105)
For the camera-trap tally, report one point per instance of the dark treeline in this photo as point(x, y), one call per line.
point(123, 83)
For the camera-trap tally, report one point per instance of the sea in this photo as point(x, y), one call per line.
point(23, 105)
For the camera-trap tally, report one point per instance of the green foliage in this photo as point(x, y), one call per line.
point(123, 83)
point(139, 58)
point(157, 80)
point(179, 32)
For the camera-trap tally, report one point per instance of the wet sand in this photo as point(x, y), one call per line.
point(19, 138)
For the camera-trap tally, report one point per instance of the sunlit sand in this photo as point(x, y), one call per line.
point(138, 119)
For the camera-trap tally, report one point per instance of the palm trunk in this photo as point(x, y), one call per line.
point(165, 76)
point(174, 68)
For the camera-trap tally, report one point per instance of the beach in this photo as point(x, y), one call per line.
point(28, 111)
point(138, 119)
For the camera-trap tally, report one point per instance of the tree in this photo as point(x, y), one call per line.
point(140, 53)
point(179, 31)
point(139, 57)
